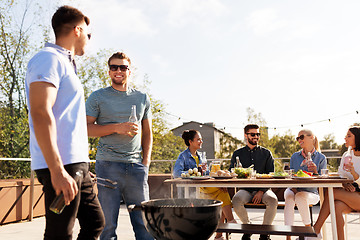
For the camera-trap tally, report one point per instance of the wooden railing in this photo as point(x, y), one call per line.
point(32, 182)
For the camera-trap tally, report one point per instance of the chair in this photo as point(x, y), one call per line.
point(345, 219)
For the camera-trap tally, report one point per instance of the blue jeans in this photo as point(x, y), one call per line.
point(132, 187)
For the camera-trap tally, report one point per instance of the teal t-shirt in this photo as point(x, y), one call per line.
point(109, 106)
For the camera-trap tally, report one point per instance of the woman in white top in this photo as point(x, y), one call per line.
point(348, 197)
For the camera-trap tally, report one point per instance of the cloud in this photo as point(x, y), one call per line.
point(264, 21)
point(117, 17)
point(183, 12)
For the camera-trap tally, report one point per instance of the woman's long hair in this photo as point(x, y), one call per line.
point(356, 131)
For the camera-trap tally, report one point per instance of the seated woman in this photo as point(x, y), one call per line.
point(303, 197)
point(190, 159)
point(348, 197)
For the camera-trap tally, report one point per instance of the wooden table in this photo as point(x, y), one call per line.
point(267, 183)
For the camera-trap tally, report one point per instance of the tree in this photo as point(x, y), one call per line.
point(15, 51)
point(228, 145)
point(329, 142)
point(284, 145)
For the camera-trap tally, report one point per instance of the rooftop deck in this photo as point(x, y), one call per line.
point(34, 230)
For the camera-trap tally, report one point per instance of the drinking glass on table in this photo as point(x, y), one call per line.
point(252, 173)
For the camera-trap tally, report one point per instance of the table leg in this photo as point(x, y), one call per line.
point(323, 229)
point(186, 192)
point(332, 213)
point(197, 192)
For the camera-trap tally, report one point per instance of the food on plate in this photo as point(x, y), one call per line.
point(242, 172)
point(263, 175)
point(334, 174)
point(302, 173)
point(191, 173)
point(222, 173)
point(280, 174)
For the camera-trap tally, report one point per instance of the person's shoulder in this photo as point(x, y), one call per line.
point(239, 150)
point(184, 153)
point(264, 149)
point(101, 91)
point(45, 55)
point(133, 91)
point(320, 154)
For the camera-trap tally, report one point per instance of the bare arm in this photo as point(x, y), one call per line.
point(97, 130)
point(42, 98)
point(146, 141)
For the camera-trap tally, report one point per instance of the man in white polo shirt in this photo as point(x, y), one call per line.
point(58, 133)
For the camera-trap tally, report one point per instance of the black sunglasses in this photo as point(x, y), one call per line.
point(123, 68)
point(301, 137)
point(253, 134)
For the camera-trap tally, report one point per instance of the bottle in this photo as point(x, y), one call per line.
point(58, 205)
point(133, 117)
point(204, 166)
point(238, 163)
point(347, 158)
point(307, 160)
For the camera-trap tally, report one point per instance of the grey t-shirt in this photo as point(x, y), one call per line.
point(109, 106)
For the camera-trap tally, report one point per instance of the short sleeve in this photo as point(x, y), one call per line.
point(147, 112)
point(45, 67)
point(92, 106)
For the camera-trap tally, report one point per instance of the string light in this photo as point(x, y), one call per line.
point(274, 128)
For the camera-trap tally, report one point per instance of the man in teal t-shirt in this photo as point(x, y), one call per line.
point(121, 143)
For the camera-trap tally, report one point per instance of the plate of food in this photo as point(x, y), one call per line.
point(303, 178)
point(280, 175)
point(263, 176)
point(197, 177)
point(222, 177)
point(222, 174)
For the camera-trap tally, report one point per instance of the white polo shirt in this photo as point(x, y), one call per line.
point(53, 64)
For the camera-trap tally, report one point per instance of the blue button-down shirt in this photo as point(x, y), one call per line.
point(318, 158)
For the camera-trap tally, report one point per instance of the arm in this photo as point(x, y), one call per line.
point(146, 141)
point(179, 166)
point(42, 97)
point(97, 130)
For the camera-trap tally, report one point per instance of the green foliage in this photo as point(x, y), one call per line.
point(228, 145)
point(329, 142)
point(283, 145)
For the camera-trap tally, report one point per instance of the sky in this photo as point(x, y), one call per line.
point(295, 62)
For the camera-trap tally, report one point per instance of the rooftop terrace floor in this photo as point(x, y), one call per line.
point(34, 230)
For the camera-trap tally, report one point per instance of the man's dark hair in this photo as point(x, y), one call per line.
point(250, 126)
point(66, 18)
point(119, 55)
point(356, 131)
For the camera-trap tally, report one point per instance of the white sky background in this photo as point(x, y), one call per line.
point(295, 62)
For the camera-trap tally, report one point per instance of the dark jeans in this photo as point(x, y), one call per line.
point(85, 207)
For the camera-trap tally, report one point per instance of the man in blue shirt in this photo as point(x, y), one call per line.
point(58, 134)
point(121, 143)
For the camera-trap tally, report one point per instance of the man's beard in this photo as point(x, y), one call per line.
point(253, 142)
point(117, 82)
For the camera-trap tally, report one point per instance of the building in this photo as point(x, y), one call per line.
point(215, 140)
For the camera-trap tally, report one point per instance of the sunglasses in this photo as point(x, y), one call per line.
point(253, 134)
point(301, 137)
point(123, 68)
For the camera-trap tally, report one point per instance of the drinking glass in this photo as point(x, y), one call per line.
point(252, 173)
point(325, 172)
